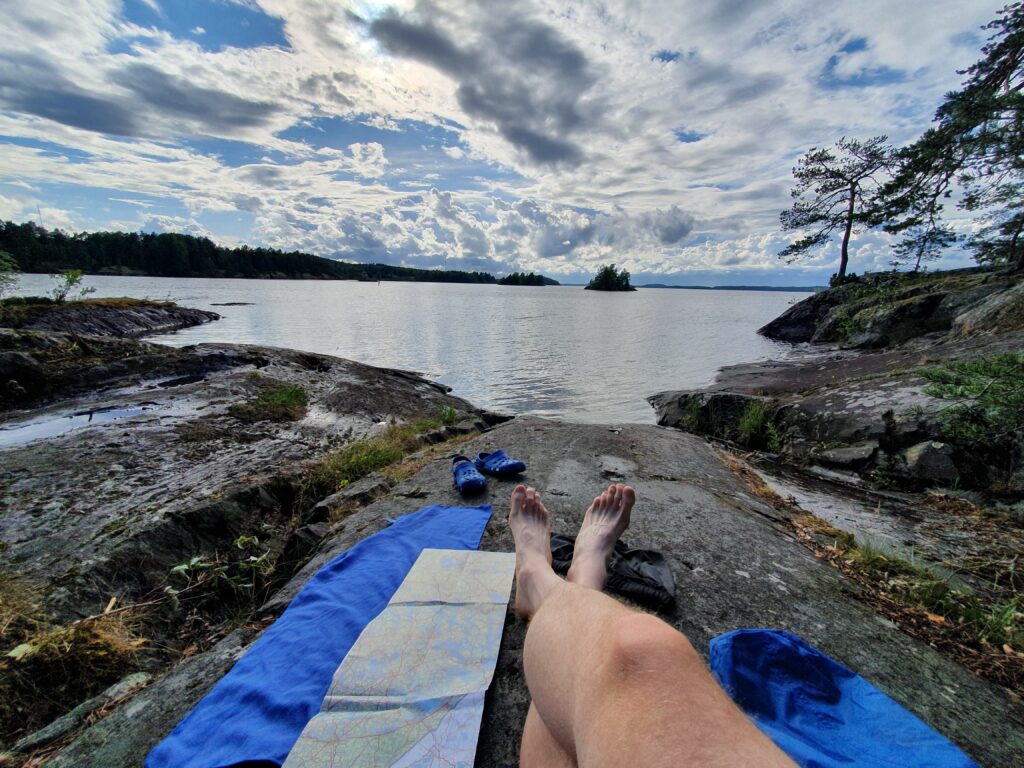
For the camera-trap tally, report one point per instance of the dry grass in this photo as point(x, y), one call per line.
point(754, 483)
point(984, 633)
point(410, 466)
point(46, 670)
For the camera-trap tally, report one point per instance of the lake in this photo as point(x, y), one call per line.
point(555, 351)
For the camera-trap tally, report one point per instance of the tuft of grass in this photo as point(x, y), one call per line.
point(361, 457)
point(691, 419)
point(446, 414)
point(755, 429)
point(751, 423)
point(282, 403)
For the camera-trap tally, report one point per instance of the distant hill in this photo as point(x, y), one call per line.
point(738, 287)
point(175, 255)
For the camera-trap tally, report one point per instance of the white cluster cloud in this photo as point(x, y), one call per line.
point(659, 136)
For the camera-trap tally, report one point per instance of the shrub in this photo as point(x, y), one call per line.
point(67, 282)
point(986, 413)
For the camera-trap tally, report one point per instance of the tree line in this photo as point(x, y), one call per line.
point(975, 147)
point(36, 249)
point(523, 278)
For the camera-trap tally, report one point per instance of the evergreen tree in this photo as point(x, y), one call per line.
point(835, 191)
point(977, 142)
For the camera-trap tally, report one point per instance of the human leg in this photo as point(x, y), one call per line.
point(611, 685)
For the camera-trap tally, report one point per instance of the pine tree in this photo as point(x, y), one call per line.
point(834, 192)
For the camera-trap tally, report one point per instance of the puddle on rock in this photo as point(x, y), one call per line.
point(18, 434)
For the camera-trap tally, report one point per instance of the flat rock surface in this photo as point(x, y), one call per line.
point(100, 317)
point(734, 562)
point(100, 495)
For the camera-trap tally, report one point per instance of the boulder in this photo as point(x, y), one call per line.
point(77, 717)
point(854, 456)
point(931, 461)
point(705, 413)
point(1003, 311)
point(800, 322)
point(20, 376)
point(884, 323)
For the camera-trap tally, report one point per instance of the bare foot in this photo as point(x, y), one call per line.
point(603, 523)
point(531, 530)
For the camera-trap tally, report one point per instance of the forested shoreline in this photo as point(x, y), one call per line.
point(39, 250)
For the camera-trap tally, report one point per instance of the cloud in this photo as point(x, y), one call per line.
point(382, 123)
point(206, 108)
point(517, 135)
point(34, 87)
point(521, 76)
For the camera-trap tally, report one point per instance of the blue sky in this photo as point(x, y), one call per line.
point(521, 135)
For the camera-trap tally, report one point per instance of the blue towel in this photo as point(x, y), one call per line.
point(819, 712)
point(257, 711)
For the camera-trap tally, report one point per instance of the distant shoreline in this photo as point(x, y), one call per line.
point(800, 288)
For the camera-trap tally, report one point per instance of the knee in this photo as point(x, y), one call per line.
point(639, 644)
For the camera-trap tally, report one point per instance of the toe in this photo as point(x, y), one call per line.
point(518, 498)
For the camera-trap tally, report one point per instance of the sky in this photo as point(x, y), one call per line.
point(506, 135)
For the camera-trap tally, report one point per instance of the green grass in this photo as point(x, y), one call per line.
point(446, 414)
point(755, 429)
point(919, 585)
point(751, 423)
point(281, 403)
point(361, 457)
point(691, 420)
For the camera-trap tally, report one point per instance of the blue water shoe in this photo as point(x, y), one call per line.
point(467, 479)
point(499, 464)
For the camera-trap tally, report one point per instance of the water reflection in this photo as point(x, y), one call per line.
point(553, 351)
point(17, 434)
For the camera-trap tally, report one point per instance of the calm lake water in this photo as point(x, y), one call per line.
point(554, 351)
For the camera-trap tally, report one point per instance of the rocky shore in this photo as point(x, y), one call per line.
point(159, 507)
point(858, 408)
point(123, 318)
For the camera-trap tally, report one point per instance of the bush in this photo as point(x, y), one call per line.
point(67, 282)
point(988, 400)
point(835, 281)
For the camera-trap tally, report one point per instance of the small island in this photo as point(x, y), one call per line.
point(523, 278)
point(608, 278)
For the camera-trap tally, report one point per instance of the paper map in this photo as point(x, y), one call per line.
point(410, 692)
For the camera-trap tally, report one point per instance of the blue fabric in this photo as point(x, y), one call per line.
point(819, 712)
point(257, 711)
point(467, 479)
point(499, 463)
